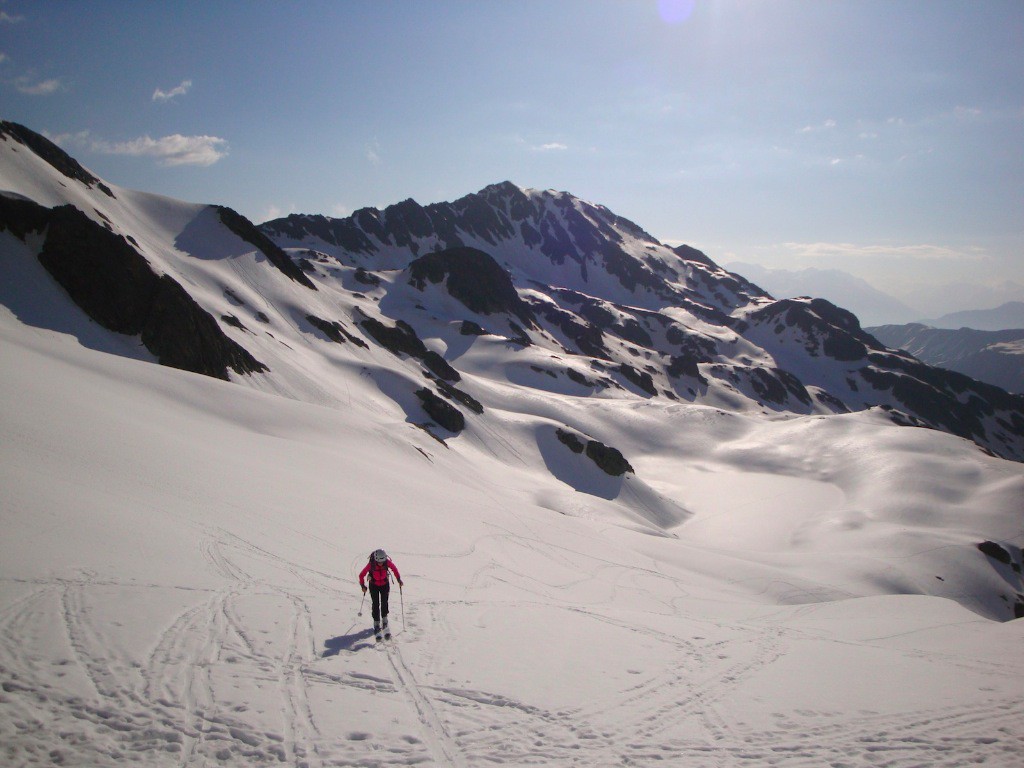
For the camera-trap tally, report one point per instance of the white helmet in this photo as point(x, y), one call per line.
point(380, 556)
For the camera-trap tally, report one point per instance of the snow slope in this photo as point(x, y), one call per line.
point(179, 557)
point(177, 570)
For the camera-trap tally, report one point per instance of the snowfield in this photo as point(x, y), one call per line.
point(179, 553)
point(178, 586)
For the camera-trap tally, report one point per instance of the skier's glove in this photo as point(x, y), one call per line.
point(401, 583)
point(364, 588)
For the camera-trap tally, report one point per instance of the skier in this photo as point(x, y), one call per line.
point(380, 587)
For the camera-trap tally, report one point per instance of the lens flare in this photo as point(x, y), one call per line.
point(675, 11)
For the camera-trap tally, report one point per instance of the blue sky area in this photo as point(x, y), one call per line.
point(885, 138)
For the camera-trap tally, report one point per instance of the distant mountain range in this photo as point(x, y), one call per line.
point(1007, 316)
point(871, 305)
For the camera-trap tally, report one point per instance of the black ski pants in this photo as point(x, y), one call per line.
point(379, 601)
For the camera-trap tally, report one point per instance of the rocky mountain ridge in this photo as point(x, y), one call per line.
point(473, 303)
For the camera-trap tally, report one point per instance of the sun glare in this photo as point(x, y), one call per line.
point(675, 11)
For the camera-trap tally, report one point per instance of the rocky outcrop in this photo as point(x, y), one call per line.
point(401, 339)
point(609, 460)
point(114, 285)
point(442, 412)
point(473, 278)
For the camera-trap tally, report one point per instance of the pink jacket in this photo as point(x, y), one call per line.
point(379, 573)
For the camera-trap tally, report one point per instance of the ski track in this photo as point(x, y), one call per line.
point(175, 706)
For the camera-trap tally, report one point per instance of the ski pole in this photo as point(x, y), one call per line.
point(361, 604)
point(401, 596)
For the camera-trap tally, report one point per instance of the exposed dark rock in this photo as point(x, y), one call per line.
point(234, 322)
point(402, 339)
point(19, 217)
point(520, 336)
point(587, 338)
point(642, 379)
point(453, 393)
point(335, 331)
point(366, 278)
point(578, 377)
point(183, 335)
point(442, 412)
point(608, 459)
point(246, 230)
point(996, 552)
point(469, 328)
point(572, 441)
point(473, 278)
point(775, 386)
point(688, 253)
point(117, 288)
point(682, 365)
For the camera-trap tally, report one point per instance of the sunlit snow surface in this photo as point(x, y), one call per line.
point(178, 587)
point(178, 556)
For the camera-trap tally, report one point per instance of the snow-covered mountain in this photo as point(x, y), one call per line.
point(996, 357)
point(869, 304)
point(664, 323)
point(643, 511)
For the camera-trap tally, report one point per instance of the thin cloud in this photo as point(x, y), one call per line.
point(40, 88)
point(6, 18)
point(179, 90)
point(828, 124)
point(554, 146)
point(373, 152)
point(169, 150)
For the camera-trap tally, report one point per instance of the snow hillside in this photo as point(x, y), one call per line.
point(178, 587)
point(596, 574)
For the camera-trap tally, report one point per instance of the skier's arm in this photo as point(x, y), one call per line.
point(362, 575)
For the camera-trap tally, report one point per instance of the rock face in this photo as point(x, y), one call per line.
point(474, 278)
point(111, 281)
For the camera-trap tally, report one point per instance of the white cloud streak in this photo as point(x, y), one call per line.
point(179, 90)
point(6, 18)
point(373, 152)
point(41, 88)
point(169, 150)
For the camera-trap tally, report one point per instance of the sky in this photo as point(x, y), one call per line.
point(884, 138)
